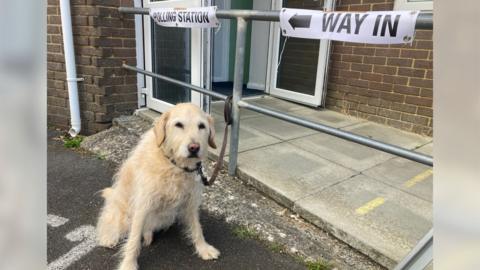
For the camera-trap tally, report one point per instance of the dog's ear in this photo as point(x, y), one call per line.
point(211, 136)
point(160, 128)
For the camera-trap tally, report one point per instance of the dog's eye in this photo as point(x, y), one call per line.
point(201, 126)
point(179, 125)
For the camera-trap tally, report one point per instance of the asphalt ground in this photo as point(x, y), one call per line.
point(73, 205)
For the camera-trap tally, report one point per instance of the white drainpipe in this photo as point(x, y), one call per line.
point(139, 48)
point(70, 67)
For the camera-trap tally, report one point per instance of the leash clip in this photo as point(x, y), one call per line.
point(227, 111)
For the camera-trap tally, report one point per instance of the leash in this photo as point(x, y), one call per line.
point(227, 115)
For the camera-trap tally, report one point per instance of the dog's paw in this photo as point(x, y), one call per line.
point(147, 239)
point(128, 265)
point(107, 242)
point(207, 252)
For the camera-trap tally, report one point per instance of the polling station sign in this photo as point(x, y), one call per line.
point(376, 27)
point(185, 17)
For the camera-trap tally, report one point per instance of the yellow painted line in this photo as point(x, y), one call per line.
point(417, 179)
point(369, 206)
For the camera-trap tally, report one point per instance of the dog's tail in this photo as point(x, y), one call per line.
point(112, 222)
point(106, 192)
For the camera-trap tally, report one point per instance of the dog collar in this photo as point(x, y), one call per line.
point(198, 169)
point(186, 169)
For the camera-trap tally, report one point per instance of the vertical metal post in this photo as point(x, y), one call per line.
point(237, 93)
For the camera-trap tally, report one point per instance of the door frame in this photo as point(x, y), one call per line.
point(196, 55)
point(318, 99)
point(225, 57)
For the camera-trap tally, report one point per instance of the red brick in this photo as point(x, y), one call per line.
point(410, 72)
point(425, 92)
point(386, 87)
point(382, 7)
point(362, 67)
point(416, 119)
point(399, 124)
point(425, 111)
point(425, 83)
point(395, 79)
point(373, 1)
point(367, 109)
point(429, 74)
point(371, 77)
point(427, 64)
point(423, 34)
point(424, 44)
point(358, 83)
point(389, 114)
point(387, 52)
point(364, 51)
point(375, 60)
point(421, 101)
point(352, 58)
point(343, 49)
point(417, 54)
point(392, 97)
point(406, 90)
point(403, 107)
point(401, 62)
point(385, 70)
point(359, 8)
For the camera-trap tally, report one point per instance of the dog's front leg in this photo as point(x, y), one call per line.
point(194, 228)
point(132, 248)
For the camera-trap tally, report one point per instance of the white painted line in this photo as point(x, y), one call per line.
point(86, 234)
point(56, 221)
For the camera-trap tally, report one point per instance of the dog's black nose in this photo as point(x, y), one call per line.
point(193, 148)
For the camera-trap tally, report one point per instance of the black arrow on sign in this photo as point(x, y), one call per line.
point(300, 21)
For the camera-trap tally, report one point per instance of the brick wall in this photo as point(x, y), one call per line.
point(103, 39)
point(388, 84)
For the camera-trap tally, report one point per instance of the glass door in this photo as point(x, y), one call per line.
point(298, 66)
point(173, 52)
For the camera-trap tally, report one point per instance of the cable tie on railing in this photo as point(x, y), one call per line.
point(75, 79)
point(218, 28)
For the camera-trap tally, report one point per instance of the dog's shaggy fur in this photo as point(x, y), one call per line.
point(153, 188)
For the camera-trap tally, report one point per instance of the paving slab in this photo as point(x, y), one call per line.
point(382, 221)
point(348, 154)
point(147, 114)
point(389, 135)
point(409, 176)
point(327, 117)
point(277, 128)
point(288, 173)
point(426, 149)
point(277, 104)
point(250, 138)
point(217, 112)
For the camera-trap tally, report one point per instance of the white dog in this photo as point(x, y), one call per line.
point(159, 184)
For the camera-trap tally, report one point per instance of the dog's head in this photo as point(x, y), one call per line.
point(184, 133)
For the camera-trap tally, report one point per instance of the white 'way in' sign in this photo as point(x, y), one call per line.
point(185, 17)
point(376, 27)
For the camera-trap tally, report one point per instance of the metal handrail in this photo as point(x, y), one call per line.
point(177, 82)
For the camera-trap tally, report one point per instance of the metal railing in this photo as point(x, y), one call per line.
point(424, 21)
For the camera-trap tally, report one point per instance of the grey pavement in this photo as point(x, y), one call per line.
point(73, 180)
point(376, 202)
